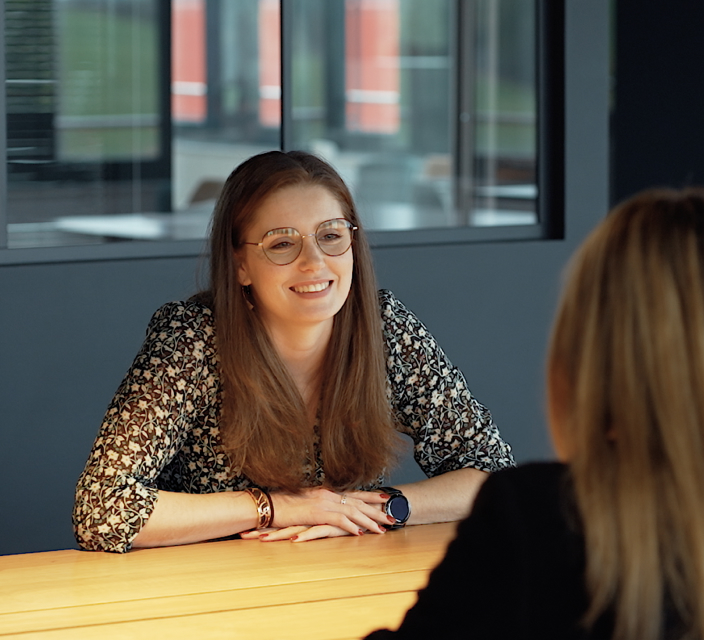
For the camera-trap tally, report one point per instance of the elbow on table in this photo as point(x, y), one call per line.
point(96, 535)
point(106, 524)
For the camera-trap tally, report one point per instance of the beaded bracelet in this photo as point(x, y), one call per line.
point(265, 508)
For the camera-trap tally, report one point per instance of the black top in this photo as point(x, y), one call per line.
point(515, 570)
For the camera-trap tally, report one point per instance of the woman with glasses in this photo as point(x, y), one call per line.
point(609, 543)
point(270, 404)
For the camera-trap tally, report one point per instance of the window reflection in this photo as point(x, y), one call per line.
point(427, 109)
point(86, 134)
point(240, 104)
point(401, 137)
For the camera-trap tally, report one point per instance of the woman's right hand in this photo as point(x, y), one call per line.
point(360, 511)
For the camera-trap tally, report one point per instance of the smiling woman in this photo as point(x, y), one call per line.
point(270, 404)
point(295, 281)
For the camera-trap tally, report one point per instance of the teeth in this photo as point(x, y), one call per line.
point(310, 288)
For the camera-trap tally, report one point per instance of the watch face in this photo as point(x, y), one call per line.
point(397, 507)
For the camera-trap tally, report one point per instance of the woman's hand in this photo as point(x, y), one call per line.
point(321, 513)
point(298, 533)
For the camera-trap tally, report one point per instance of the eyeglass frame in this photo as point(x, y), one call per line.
point(352, 228)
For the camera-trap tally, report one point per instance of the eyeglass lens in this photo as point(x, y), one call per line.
point(283, 246)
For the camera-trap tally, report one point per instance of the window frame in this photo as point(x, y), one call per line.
point(550, 153)
point(3, 137)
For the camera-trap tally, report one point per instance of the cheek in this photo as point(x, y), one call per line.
point(348, 271)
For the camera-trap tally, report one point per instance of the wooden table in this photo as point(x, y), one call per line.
point(335, 589)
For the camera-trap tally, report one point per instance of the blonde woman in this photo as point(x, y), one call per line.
point(610, 542)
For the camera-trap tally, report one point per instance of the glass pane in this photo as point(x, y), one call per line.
point(374, 92)
point(96, 134)
point(504, 177)
point(226, 88)
point(85, 133)
point(428, 110)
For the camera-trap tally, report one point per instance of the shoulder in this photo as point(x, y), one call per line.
point(185, 328)
point(529, 481)
point(182, 315)
point(390, 304)
point(539, 493)
point(531, 473)
point(397, 317)
point(528, 512)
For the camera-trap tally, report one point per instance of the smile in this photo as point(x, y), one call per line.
point(311, 288)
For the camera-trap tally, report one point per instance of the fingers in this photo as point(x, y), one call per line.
point(304, 533)
point(353, 513)
point(300, 533)
point(371, 503)
point(283, 534)
point(371, 511)
point(321, 531)
point(365, 516)
point(370, 497)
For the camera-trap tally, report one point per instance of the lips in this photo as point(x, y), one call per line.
point(311, 288)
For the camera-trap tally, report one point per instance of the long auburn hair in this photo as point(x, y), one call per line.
point(264, 427)
point(628, 343)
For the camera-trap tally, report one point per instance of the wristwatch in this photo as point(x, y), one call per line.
point(397, 506)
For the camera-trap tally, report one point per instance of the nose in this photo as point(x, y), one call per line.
point(310, 252)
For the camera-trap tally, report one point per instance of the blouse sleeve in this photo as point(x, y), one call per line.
point(157, 403)
point(431, 400)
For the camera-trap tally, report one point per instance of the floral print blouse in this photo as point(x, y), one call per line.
point(161, 429)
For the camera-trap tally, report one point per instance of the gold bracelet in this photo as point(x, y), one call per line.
point(265, 508)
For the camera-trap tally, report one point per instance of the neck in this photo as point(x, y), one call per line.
point(302, 349)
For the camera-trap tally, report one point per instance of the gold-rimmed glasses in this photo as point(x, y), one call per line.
point(282, 246)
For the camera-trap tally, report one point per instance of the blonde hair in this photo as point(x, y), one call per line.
point(264, 422)
point(628, 342)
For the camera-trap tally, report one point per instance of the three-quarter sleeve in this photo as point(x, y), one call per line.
point(149, 418)
point(431, 401)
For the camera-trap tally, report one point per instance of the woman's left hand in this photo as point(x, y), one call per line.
point(299, 533)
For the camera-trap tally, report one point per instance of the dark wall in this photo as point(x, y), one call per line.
point(68, 331)
point(658, 128)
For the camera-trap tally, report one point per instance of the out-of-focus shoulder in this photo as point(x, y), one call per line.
point(530, 473)
point(547, 469)
point(535, 485)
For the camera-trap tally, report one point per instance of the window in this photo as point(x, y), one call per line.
point(88, 139)
point(427, 108)
point(124, 117)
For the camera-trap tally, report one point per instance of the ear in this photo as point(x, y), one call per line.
point(242, 272)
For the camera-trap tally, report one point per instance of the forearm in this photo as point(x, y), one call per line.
point(444, 498)
point(182, 518)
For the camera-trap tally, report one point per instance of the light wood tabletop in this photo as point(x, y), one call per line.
point(333, 589)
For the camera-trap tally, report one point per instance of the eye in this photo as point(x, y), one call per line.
point(281, 246)
point(330, 236)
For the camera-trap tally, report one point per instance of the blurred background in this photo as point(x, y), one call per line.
point(126, 116)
